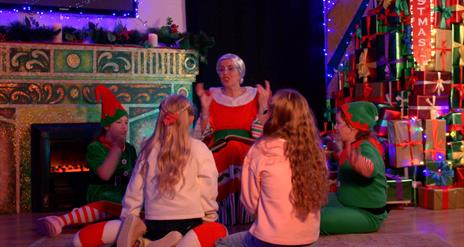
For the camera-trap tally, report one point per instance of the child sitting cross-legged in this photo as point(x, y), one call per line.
point(175, 181)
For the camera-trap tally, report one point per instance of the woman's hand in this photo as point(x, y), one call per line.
point(205, 98)
point(264, 94)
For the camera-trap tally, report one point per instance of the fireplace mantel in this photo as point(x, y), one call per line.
point(54, 83)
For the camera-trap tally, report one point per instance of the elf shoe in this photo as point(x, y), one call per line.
point(132, 229)
point(50, 226)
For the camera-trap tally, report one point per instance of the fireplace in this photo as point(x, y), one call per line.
point(59, 171)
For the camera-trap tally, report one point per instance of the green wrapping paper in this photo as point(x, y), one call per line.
point(442, 12)
point(455, 152)
point(399, 190)
point(454, 126)
point(458, 44)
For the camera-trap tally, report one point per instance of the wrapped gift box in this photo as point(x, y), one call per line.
point(460, 197)
point(408, 77)
point(387, 18)
point(369, 91)
point(370, 29)
point(455, 152)
point(390, 62)
point(454, 126)
point(438, 197)
point(457, 11)
point(406, 37)
point(432, 83)
point(434, 167)
point(457, 95)
point(428, 107)
point(443, 51)
point(399, 190)
point(435, 139)
point(442, 19)
point(459, 176)
point(385, 115)
point(402, 101)
point(458, 44)
point(405, 138)
point(366, 65)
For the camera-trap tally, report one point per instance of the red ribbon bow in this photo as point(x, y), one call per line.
point(170, 118)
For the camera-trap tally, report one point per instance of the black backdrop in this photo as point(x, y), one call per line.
point(281, 41)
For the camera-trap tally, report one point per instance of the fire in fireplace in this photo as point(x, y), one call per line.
point(59, 171)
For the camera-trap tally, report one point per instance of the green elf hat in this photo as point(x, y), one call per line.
point(361, 115)
point(112, 110)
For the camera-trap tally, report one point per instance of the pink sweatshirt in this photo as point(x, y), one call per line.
point(266, 187)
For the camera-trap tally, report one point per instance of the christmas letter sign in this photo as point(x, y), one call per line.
point(421, 27)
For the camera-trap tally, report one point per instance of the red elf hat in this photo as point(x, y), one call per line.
point(112, 110)
point(361, 115)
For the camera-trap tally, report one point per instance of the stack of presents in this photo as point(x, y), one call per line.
point(420, 107)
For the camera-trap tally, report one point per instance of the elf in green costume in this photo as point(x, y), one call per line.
point(358, 206)
point(111, 160)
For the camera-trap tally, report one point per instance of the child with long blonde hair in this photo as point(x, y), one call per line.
point(175, 181)
point(284, 178)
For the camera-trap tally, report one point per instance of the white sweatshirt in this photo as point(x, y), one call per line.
point(195, 198)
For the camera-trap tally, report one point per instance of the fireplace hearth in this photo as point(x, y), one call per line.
point(59, 171)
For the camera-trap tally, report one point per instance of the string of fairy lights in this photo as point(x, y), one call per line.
point(80, 17)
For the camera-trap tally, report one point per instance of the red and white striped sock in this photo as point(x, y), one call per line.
point(91, 212)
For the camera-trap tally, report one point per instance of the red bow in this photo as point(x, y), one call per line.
point(170, 118)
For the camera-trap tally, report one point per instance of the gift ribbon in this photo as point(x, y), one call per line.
point(367, 90)
point(460, 88)
point(437, 142)
point(369, 36)
point(433, 108)
point(445, 12)
point(390, 93)
point(402, 6)
point(409, 143)
point(412, 79)
point(443, 49)
point(445, 198)
point(439, 86)
point(455, 15)
point(403, 102)
point(384, 14)
point(363, 66)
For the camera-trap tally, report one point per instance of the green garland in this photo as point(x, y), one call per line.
point(30, 30)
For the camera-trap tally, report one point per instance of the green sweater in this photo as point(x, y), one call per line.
point(114, 189)
point(356, 190)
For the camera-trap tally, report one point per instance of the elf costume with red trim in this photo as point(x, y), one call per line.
point(359, 203)
point(104, 196)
